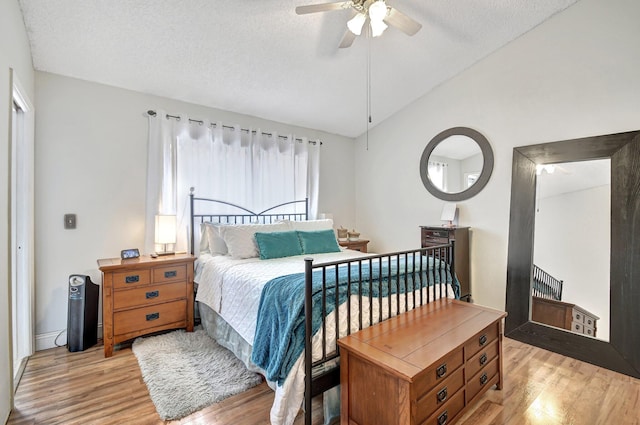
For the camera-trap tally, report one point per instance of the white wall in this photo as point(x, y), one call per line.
point(15, 54)
point(91, 144)
point(572, 243)
point(572, 76)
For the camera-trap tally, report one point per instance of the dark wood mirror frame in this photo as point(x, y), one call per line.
point(487, 164)
point(622, 352)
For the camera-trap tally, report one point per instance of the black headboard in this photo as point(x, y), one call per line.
point(204, 209)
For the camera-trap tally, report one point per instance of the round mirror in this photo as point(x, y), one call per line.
point(456, 164)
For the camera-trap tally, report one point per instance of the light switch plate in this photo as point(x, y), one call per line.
point(69, 221)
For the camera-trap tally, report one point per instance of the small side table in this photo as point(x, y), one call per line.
point(145, 295)
point(359, 245)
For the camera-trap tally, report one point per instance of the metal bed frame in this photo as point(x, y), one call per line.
point(327, 371)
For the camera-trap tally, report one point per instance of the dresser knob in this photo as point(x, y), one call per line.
point(483, 359)
point(442, 395)
point(171, 273)
point(132, 279)
point(153, 316)
point(442, 419)
point(441, 371)
point(483, 379)
point(152, 294)
point(483, 340)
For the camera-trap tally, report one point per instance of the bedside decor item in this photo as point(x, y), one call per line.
point(343, 234)
point(127, 254)
point(353, 235)
point(450, 215)
point(165, 232)
point(187, 371)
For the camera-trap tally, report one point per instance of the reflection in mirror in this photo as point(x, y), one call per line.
point(570, 288)
point(455, 164)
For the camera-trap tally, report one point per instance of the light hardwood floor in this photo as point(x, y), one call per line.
point(540, 387)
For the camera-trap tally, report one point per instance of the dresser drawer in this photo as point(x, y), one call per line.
point(437, 373)
point(435, 233)
point(147, 295)
point(169, 274)
point(131, 278)
point(438, 396)
point(485, 378)
point(435, 241)
point(446, 414)
point(483, 357)
point(577, 327)
point(148, 317)
point(589, 322)
point(481, 340)
point(578, 316)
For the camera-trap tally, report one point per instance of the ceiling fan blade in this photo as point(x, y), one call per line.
point(401, 21)
point(347, 40)
point(322, 7)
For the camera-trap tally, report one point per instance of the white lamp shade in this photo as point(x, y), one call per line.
point(378, 11)
point(355, 24)
point(165, 229)
point(377, 28)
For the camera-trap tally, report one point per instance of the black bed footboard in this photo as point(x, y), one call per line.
point(346, 296)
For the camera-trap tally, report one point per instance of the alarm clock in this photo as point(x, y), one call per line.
point(127, 254)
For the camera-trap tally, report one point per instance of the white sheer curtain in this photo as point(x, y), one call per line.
point(438, 174)
point(249, 169)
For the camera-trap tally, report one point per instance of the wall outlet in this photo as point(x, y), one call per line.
point(69, 221)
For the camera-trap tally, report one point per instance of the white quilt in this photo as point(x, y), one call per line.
point(232, 288)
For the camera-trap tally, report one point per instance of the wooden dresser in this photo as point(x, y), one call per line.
point(438, 235)
point(422, 367)
point(359, 245)
point(145, 295)
point(564, 316)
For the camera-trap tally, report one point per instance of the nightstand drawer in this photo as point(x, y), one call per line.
point(480, 341)
point(131, 278)
point(487, 377)
point(148, 317)
point(169, 274)
point(149, 295)
point(439, 395)
point(435, 241)
point(482, 358)
point(437, 373)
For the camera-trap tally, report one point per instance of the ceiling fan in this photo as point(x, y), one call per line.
point(376, 12)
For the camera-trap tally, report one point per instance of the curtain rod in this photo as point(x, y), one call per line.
point(228, 127)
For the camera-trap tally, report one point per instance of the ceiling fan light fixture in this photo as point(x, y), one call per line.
point(356, 23)
point(378, 11)
point(377, 28)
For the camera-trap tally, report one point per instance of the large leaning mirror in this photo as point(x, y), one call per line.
point(456, 164)
point(621, 152)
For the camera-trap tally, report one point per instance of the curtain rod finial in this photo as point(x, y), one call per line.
point(151, 112)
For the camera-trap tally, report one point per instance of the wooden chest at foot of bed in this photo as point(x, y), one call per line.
point(426, 366)
point(145, 295)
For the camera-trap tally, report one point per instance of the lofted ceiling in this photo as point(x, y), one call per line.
point(258, 57)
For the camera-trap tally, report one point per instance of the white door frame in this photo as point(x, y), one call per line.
point(22, 229)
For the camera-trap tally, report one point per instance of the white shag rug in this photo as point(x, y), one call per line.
point(187, 371)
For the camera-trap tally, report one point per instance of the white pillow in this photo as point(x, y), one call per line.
point(240, 239)
point(311, 225)
point(214, 244)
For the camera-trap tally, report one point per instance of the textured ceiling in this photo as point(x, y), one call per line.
point(258, 57)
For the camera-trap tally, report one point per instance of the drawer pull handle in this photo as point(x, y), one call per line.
point(171, 273)
point(132, 279)
point(441, 371)
point(152, 294)
point(483, 379)
point(483, 359)
point(442, 419)
point(442, 395)
point(483, 340)
point(153, 316)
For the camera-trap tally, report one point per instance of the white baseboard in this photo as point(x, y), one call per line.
point(48, 340)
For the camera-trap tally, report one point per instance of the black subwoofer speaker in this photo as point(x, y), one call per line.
point(82, 318)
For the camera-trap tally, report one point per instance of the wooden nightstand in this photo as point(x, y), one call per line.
point(145, 295)
point(359, 245)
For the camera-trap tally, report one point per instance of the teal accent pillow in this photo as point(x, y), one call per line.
point(278, 244)
point(318, 242)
